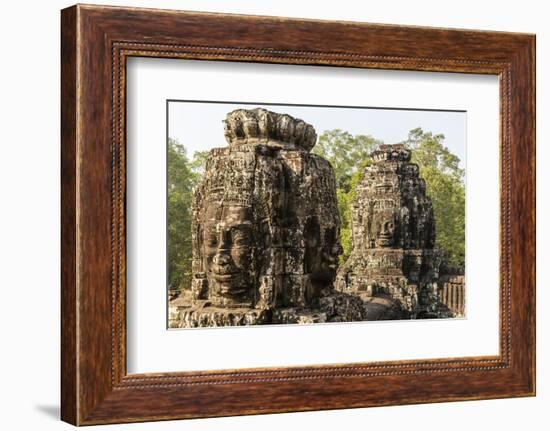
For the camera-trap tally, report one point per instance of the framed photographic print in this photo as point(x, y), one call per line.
point(265, 214)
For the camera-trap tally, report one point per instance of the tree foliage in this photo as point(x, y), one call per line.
point(183, 175)
point(346, 153)
point(445, 186)
point(345, 199)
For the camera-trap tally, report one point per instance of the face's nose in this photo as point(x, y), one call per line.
point(221, 258)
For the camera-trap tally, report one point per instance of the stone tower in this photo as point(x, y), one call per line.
point(265, 229)
point(393, 265)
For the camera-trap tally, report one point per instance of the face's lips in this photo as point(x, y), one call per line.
point(226, 283)
point(226, 269)
point(227, 280)
point(385, 238)
point(225, 288)
point(225, 277)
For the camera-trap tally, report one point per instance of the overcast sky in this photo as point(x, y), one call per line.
point(198, 125)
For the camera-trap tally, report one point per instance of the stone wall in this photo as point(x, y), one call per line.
point(451, 291)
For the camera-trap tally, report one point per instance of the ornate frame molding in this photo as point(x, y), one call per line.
point(96, 41)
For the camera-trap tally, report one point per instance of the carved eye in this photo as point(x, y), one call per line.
point(240, 238)
point(211, 239)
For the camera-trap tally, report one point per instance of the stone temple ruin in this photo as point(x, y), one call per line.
point(393, 265)
point(266, 230)
point(266, 235)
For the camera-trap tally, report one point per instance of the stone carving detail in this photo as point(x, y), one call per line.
point(393, 236)
point(266, 235)
point(266, 229)
point(392, 209)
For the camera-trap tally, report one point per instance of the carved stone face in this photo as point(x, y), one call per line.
point(385, 230)
point(228, 252)
point(322, 251)
point(329, 258)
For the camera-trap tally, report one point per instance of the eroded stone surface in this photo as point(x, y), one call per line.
point(265, 228)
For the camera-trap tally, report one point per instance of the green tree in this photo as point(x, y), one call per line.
point(198, 164)
point(445, 186)
point(348, 154)
point(345, 199)
point(183, 175)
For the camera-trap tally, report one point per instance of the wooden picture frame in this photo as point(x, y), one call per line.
point(95, 43)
